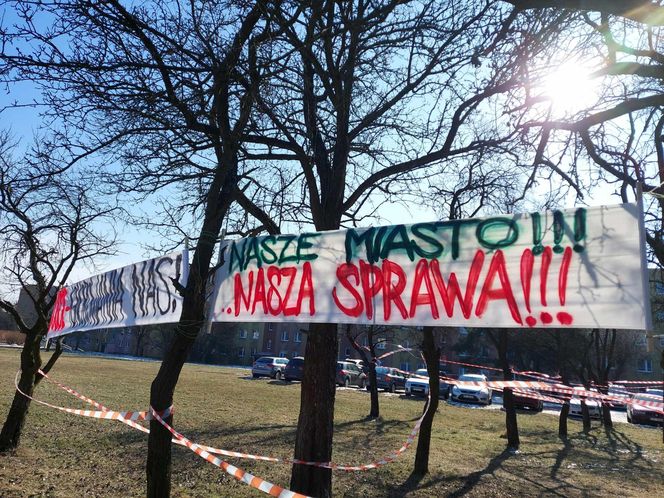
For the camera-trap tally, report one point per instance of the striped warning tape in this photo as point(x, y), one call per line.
point(545, 386)
point(236, 472)
point(104, 413)
point(639, 382)
point(218, 451)
point(480, 367)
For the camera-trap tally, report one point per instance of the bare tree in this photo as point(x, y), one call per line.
point(50, 221)
point(167, 91)
point(366, 102)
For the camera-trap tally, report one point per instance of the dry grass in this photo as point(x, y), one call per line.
point(67, 456)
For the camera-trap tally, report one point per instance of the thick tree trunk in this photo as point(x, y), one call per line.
point(316, 422)
point(432, 357)
point(10, 435)
point(562, 420)
point(161, 397)
point(606, 416)
point(585, 414)
point(511, 424)
point(158, 467)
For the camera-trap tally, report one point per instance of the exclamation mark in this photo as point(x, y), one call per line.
point(547, 255)
point(558, 227)
point(579, 229)
point(563, 317)
point(537, 234)
point(527, 262)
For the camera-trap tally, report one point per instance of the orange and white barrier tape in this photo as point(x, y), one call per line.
point(237, 473)
point(479, 367)
point(639, 382)
point(103, 413)
point(545, 386)
point(235, 454)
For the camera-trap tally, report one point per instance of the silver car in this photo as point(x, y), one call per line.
point(478, 394)
point(269, 366)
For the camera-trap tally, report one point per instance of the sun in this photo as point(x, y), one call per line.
point(569, 88)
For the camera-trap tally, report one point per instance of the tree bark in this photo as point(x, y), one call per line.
point(432, 357)
point(316, 421)
point(374, 411)
point(562, 420)
point(606, 416)
point(10, 435)
point(585, 414)
point(511, 424)
point(158, 466)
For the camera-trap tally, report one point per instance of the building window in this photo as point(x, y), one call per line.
point(269, 344)
point(243, 334)
point(284, 336)
point(253, 352)
point(240, 353)
point(255, 335)
point(644, 365)
point(641, 340)
point(659, 316)
point(659, 288)
point(298, 336)
point(295, 353)
point(381, 344)
point(405, 366)
point(347, 352)
point(661, 341)
point(365, 341)
point(283, 354)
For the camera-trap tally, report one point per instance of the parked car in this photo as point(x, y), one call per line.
point(389, 379)
point(526, 399)
point(359, 363)
point(348, 373)
point(418, 385)
point(641, 414)
point(269, 366)
point(295, 369)
point(594, 407)
point(477, 394)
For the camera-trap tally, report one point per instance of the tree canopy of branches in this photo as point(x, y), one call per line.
point(364, 101)
point(620, 132)
point(50, 221)
point(165, 92)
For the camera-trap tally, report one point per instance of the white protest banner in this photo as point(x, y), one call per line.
point(575, 268)
point(138, 294)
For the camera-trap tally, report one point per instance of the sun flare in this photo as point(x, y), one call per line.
point(569, 88)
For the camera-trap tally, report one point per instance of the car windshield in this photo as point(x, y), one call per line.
point(473, 378)
point(422, 371)
point(382, 370)
point(265, 359)
point(296, 362)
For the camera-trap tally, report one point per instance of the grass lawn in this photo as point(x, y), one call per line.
point(63, 455)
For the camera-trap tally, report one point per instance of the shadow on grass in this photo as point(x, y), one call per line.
point(473, 479)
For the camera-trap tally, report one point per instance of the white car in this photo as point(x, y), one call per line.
point(478, 394)
point(594, 408)
point(418, 385)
